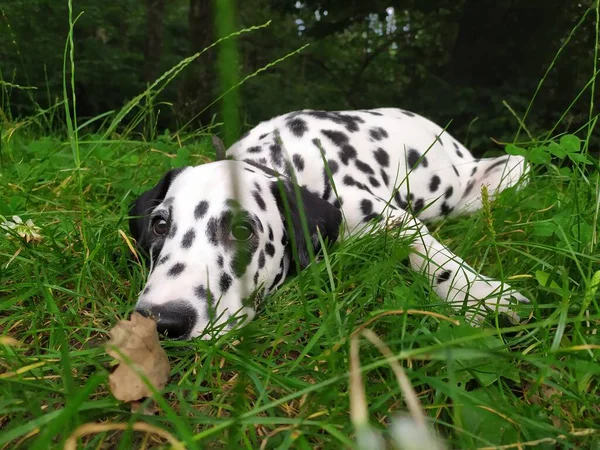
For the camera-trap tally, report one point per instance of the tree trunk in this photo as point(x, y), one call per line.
point(197, 89)
point(153, 41)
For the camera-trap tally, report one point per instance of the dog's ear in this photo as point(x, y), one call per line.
point(220, 151)
point(321, 217)
point(143, 206)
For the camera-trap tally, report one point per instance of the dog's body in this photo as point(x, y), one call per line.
point(357, 169)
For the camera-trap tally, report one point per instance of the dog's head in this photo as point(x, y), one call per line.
point(219, 236)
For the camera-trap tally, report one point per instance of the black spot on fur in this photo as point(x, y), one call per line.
point(261, 259)
point(364, 187)
point(212, 231)
point(399, 201)
point(271, 237)
point(298, 162)
point(444, 276)
point(333, 166)
point(259, 200)
point(347, 153)
point(470, 185)
point(382, 157)
point(220, 261)
point(277, 279)
point(163, 260)
point(434, 184)
point(349, 181)
point(200, 292)
point(327, 183)
point(338, 202)
point(386, 178)
point(297, 126)
point(375, 134)
point(496, 164)
point(225, 282)
point(445, 209)
point(254, 149)
point(474, 170)
point(449, 192)
point(455, 170)
point(374, 182)
point(288, 169)
point(413, 158)
point(200, 209)
point(349, 121)
point(276, 157)
point(255, 278)
point(258, 187)
point(378, 133)
point(270, 249)
point(188, 238)
point(249, 170)
point(146, 290)
point(337, 137)
point(457, 148)
point(364, 167)
point(203, 294)
point(176, 269)
point(262, 136)
point(373, 216)
point(408, 113)
point(366, 207)
point(418, 205)
point(244, 252)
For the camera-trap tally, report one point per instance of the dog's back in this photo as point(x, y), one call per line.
point(378, 158)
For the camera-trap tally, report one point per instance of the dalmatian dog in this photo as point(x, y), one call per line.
point(221, 235)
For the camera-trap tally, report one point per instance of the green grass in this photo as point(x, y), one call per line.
point(283, 381)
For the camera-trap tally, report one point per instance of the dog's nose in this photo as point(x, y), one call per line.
point(174, 320)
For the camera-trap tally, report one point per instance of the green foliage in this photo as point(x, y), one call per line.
point(282, 382)
point(441, 59)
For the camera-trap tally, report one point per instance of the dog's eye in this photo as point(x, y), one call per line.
point(160, 226)
point(241, 231)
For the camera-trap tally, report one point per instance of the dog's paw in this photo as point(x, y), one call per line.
point(484, 295)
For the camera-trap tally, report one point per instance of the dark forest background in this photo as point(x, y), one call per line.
point(448, 60)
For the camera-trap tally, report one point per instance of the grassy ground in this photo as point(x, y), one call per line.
point(283, 381)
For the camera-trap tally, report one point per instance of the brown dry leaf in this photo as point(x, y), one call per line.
point(137, 339)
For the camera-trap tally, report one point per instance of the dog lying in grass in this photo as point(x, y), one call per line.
point(219, 234)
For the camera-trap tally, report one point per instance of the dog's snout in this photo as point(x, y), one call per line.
point(174, 320)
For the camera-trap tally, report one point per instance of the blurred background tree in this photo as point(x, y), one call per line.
point(448, 60)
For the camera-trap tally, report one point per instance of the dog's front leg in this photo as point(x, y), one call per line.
point(452, 278)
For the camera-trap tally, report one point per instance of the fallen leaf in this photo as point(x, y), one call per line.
point(135, 344)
